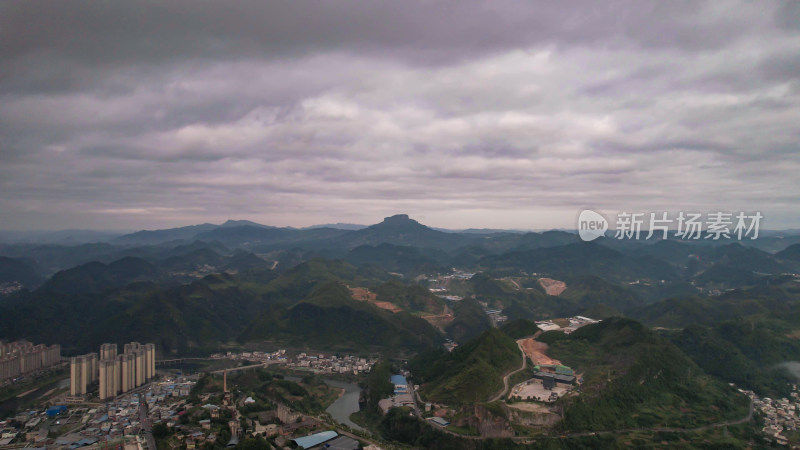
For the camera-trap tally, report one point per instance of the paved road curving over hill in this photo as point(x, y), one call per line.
point(508, 376)
point(502, 393)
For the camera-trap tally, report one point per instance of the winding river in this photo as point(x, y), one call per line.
point(345, 405)
point(13, 404)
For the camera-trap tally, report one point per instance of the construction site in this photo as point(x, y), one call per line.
point(551, 379)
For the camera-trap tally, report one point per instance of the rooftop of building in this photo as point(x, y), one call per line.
point(399, 380)
point(315, 439)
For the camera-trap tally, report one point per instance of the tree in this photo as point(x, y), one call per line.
point(160, 431)
point(254, 443)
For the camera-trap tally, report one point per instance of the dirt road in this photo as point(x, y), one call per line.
point(508, 375)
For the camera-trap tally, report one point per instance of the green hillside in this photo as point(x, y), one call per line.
point(774, 301)
point(791, 253)
point(409, 297)
point(299, 281)
point(746, 352)
point(471, 373)
point(748, 258)
point(519, 328)
point(180, 318)
point(523, 297)
point(329, 318)
point(197, 317)
point(634, 378)
point(470, 320)
point(97, 277)
point(20, 270)
point(410, 261)
point(722, 276)
point(585, 258)
point(585, 292)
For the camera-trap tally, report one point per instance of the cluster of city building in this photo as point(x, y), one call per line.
point(252, 356)
point(319, 363)
point(10, 287)
point(119, 422)
point(114, 373)
point(111, 425)
point(22, 357)
point(780, 415)
point(109, 422)
point(333, 364)
point(195, 433)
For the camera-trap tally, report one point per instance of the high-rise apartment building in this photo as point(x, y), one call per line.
point(150, 352)
point(117, 373)
point(109, 379)
point(108, 351)
point(22, 357)
point(82, 373)
point(127, 362)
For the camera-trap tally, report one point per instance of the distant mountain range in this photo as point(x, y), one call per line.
point(402, 245)
point(61, 237)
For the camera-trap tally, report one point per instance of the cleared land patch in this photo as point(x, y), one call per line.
point(536, 351)
point(529, 407)
point(365, 295)
point(534, 390)
point(440, 320)
point(552, 287)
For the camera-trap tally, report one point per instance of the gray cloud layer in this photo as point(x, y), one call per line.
point(498, 113)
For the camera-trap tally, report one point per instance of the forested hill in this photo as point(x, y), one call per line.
point(635, 379)
point(471, 373)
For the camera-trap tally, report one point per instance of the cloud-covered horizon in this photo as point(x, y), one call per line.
point(462, 114)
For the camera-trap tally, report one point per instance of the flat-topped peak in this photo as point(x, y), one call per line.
point(398, 218)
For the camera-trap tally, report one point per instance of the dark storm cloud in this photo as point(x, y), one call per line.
point(77, 38)
point(476, 113)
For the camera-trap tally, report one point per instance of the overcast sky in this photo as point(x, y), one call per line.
point(127, 115)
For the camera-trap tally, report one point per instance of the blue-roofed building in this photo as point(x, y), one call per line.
point(315, 439)
point(400, 384)
point(56, 410)
point(439, 421)
point(399, 380)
